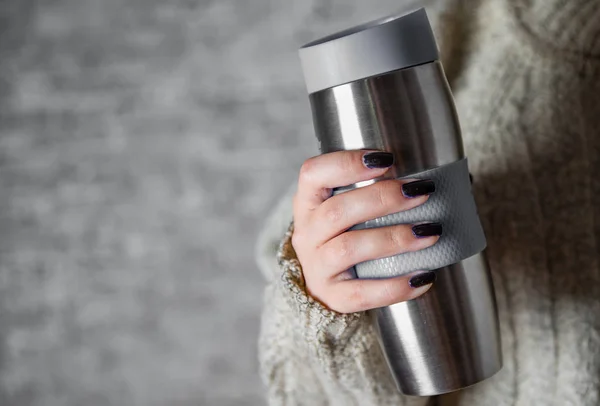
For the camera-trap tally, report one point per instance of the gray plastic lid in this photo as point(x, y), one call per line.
point(370, 49)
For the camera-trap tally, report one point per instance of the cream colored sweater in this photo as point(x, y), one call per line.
point(526, 79)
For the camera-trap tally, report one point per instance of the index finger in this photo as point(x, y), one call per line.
point(322, 173)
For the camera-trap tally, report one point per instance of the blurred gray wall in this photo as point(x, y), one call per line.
point(141, 143)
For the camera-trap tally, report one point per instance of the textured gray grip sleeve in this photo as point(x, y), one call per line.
point(453, 205)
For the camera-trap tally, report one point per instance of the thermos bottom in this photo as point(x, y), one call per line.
point(447, 339)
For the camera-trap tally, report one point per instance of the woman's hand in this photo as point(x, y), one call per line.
point(326, 250)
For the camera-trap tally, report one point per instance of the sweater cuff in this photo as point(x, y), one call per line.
point(321, 326)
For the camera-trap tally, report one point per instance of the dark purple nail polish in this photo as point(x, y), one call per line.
point(427, 230)
point(373, 160)
point(422, 279)
point(418, 188)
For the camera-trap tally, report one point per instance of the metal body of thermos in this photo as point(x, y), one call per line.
point(381, 86)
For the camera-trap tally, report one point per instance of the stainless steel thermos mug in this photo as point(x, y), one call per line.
point(381, 86)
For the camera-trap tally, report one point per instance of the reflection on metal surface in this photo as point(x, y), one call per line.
point(449, 338)
point(446, 339)
point(349, 123)
point(408, 112)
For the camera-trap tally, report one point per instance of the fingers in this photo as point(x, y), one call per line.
point(326, 250)
point(322, 173)
point(341, 212)
point(361, 295)
point(329, 263)
point(353, 247)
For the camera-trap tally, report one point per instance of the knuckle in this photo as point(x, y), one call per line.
point(398, 237)
point(334, 212)
point(388, 194)
point(338, 249)
point(307, 171)
point(348, 162)
point(382, 194)
point(390, 294)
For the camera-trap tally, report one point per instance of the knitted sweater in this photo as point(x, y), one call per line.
point(526, 80)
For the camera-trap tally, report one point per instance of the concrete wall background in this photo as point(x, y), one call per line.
point(141, 143)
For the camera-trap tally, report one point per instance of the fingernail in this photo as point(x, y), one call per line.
point(422, 279)
point(418, 188)
point(374, 160)
point(427, 230)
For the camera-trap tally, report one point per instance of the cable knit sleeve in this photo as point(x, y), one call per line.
point(525, 75)
point(311, 355)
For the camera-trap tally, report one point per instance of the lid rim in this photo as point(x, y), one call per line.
point(369, 49)
point(352, 30)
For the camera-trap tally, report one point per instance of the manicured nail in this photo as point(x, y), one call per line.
point(418, 188)
point(422, 279)
point(374, 160)
point(427, 230)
